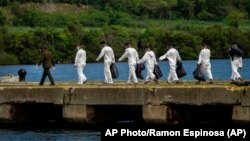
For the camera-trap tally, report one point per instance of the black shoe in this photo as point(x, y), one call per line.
point(156, 81)
point(84, 82)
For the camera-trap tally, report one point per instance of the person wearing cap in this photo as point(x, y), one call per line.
point(204, 62)
point(236, 64)
point(108, 57)
point(133, 58)
point(80, 62)
point(173, 56)
point(150, 59)
point(48, 62)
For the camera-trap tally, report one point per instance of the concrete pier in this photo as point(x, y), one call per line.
point(99, 103)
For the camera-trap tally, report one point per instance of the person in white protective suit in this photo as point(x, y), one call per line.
point(204, 62)
point(173, 56)
point(80, 63)
point(133, 58)
point(236, 63)
point(108, 55)
point(150, 59)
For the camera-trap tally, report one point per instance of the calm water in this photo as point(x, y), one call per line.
point(221, 70)
point(49, 135)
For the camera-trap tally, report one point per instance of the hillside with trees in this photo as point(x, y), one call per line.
point(28, 25)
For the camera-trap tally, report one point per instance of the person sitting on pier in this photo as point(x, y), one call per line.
point(150, 59)
point(109, 58)
point(80, 62)
point(204, 62)
point(133, 58)
point(173, 56)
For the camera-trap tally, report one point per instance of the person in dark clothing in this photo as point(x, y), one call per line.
point(47, 62)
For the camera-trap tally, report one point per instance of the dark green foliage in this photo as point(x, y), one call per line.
point(25, 30)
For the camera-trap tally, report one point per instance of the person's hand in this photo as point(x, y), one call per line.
point(198, 65)
point(36, 67)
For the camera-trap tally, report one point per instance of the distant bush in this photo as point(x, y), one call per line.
point(206, 16)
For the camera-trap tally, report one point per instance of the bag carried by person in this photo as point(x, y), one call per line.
point(138, 70)
point(198, 75)
point(114, 71)
point(180, 71)
point(157, 72)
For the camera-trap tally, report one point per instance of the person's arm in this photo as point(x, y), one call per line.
point(100, 55)
point(178, 56)
point(155, 60)
point(113, 57)
point(123, 56)
point(41, 60)
point(241, 63)
point(84, 57)
point(143, 59)
point(137, 57)
point(52, 60)
point(77, 58)
point(200, 58)
point(164, 56)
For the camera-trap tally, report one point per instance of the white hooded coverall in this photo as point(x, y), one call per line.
point(150, 59)
point(108, 55)
point(204, 60)
point(236, 63)
point(173, 56)
point(133, 58)
point(80, 62)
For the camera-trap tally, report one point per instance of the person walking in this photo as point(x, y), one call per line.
point(80, 63)
point(204, 62)
point(150, 59)
point(236, 62)
point(133, 58)
point(173, 56)
point(47, 61)
point(108, 55)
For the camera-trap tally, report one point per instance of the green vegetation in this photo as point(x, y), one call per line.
point(27, 25)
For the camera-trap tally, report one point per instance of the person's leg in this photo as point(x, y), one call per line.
point(132, 74)
point(50, 77)
point(209, 73)
point(79, 73)
point(129, 74)
point(107, 73)
point(148, 77)
point(83, 75)
point(173, 74)
point(43, 77)
point(152, 76)
point(235, 74)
